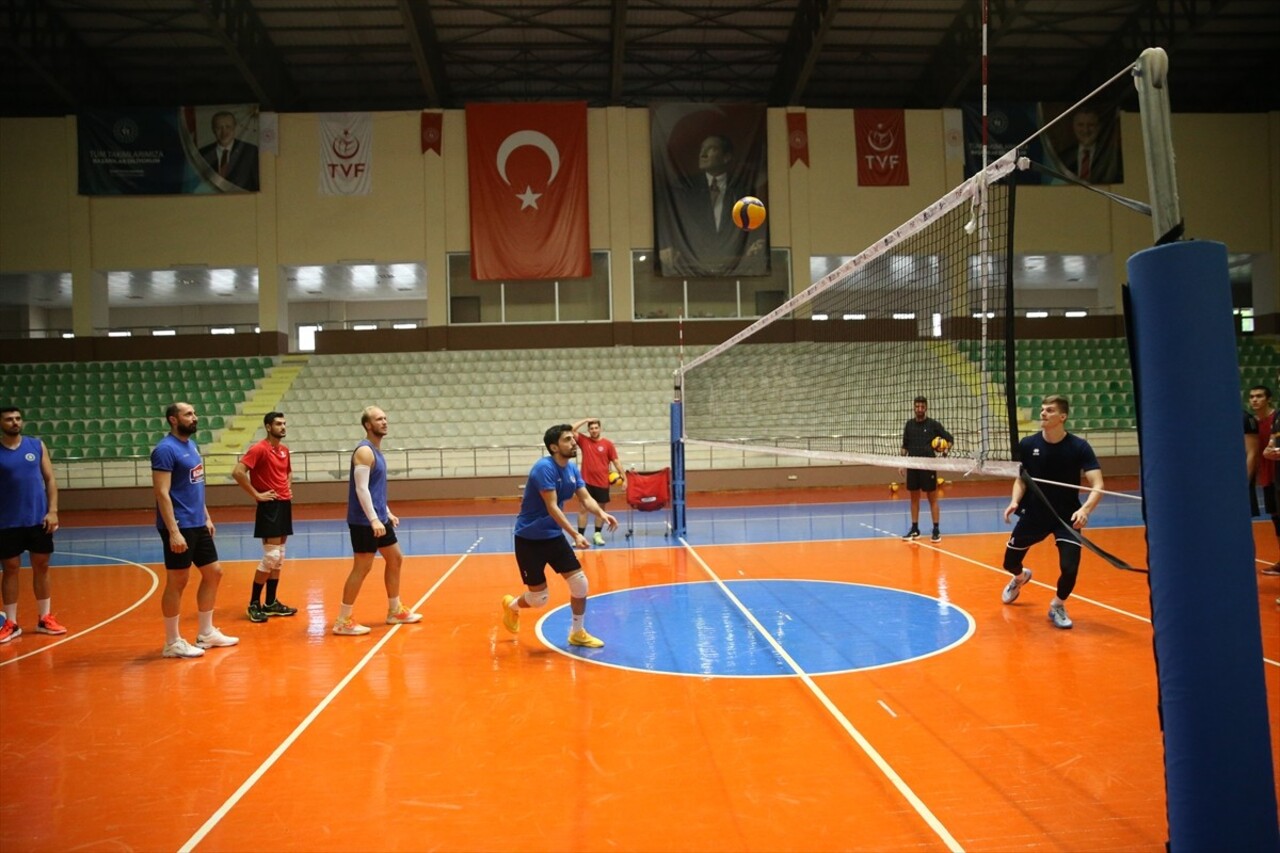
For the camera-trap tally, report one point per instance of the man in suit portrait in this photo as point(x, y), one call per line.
point(234, 160)
point(708, 242)
point(1094, 156)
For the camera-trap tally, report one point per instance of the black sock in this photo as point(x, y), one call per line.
point(256, 596)
point(271, 590)
point(582, 530)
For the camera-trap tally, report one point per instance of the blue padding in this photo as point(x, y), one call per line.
point(1204, 593)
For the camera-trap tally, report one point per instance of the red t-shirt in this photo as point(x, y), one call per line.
point(596, 455)
point(1266, 467)
point(269, 468)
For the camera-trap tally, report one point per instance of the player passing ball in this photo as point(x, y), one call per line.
point(540, 535)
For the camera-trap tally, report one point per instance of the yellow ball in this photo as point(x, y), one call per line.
point(614, 477)
point(893, 487)
point(940, 445)
point(748, 213)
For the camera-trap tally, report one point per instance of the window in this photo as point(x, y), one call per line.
point(527, 301)
point(661, 298)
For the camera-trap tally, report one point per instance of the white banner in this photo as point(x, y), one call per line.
point(346, 153)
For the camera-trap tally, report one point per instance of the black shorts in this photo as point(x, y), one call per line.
point(921, 481)
point(1269, 498)
point(15, 540)
point(364, 542)
point(600, 493)
point(534, 555)
point(273, 520)
point(200, 549)
point(1031, 529)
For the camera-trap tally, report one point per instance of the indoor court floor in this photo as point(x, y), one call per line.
point(795, 677)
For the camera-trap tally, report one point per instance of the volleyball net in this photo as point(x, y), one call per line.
point(832, 373)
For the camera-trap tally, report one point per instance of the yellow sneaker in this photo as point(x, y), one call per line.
point(582, 638)
point(510, 618)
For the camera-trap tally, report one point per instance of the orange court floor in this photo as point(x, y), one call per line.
point(453, 734)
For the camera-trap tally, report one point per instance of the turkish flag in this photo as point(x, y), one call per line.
point(882, 147)
point(527, 169)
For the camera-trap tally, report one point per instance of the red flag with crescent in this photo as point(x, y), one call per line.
point(882, 147)
point(527, 170)
point(798, 137)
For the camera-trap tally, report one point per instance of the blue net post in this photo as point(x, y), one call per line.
point(677, 471)
point(1219, 772)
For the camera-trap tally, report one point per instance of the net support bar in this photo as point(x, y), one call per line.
point(677, 472)
point(1219, 774)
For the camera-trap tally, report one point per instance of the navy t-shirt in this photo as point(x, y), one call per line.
point(1063, 462)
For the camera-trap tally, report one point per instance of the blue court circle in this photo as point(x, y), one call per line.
point(826, 627)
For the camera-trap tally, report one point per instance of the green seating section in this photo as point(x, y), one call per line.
point(1094, 375)
point(98, 410)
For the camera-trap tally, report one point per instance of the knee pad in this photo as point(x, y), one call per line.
point(537, 599)
point(578, 585)
point(272, 557)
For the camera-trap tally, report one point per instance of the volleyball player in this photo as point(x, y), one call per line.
point(266, 473)
point(28, 520)
point(917, 440)
point(1055, 455)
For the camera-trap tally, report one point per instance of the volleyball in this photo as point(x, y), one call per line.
point(614, 477)
point(748, 213)
point(940, 444)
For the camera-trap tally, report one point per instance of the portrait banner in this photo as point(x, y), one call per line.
point(170, 151)
point(882, 147)
point(346, 153)
point(705, 157)
point(527, 175)
point(1008, 124)
point(1086, 144)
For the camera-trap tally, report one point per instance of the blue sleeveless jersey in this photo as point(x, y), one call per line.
point(186, 480)
point(24, 501)
point(377, 487)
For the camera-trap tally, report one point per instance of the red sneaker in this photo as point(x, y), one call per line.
point(49, 625)
point(9, 630)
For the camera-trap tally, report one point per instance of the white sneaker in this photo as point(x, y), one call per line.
point(1014, 587)
point(180, 648)
point(1058, 615)
point(215, 639)
point(349, 627)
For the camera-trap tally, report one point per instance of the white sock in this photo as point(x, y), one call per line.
point(344, 612)
point(1057, 602)
point(42, 605)
point(206, 621)
point(11, 612)
point(393, 604)
point(170, 629)
point(576, 624)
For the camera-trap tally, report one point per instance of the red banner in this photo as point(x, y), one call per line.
point(798, 137)
point(527, 167)
point(882, 147)
point(430, 130)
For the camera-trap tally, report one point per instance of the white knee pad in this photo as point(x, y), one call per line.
point(577, 584)
point(272, 557)
point(537, 599)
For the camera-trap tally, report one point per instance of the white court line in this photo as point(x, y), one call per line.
point(1054, 589)
point(910, 796)
point(217, 816)
point(155, 582)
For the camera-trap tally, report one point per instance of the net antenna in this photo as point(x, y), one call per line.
point(1150, 75)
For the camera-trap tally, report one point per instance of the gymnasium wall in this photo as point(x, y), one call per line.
point(1228, 166)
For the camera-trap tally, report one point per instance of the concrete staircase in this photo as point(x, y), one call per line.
point(232, 439)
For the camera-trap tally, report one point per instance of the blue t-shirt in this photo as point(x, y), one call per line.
point(1063, 462)
point(377, 488)
point(534, 522)
point(186, 480)
point(22, 485)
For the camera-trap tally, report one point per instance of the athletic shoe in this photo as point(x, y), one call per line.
point(913, 533)
point(937, 535)
point(349, 627)
point(1058, 615)
point(599, 538)
point(180, 648)
point(580, 637)
point(403, 616)
point(278, 608)
point(215, 639)
point(1273, 569)
point(9, 630)
point(510, 617)
point(256, 612)
point(1014, 587)
point(49, 625)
